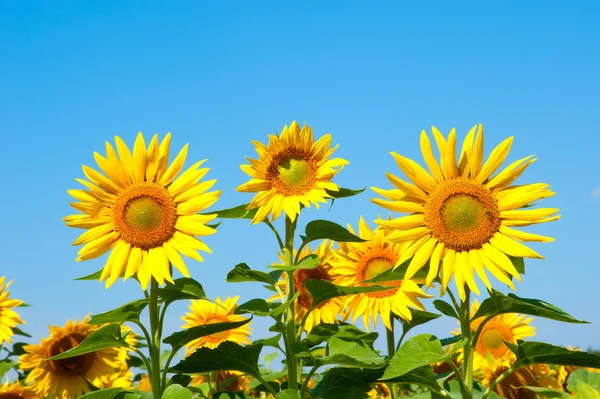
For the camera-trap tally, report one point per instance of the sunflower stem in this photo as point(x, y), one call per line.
point(498, 380)
point(465, 327)
point(288, 254)
point(391, 347)
point(154, 346)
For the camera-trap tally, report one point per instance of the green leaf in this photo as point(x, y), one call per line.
point(308, 262)
point(418, 351)
point(344, 192)
point(181, 379)
point(176, 391)
point(450, 340)
point(445, 308)
point(242, 273)
point(324, 229)
point(237, 212)
point(531, 352)
point(398, 273)
point(322, 332)
point(179, 339)
point(227, 356)
point(345, 393)
point(273, 384)
point(181, 289)
point(108, 393)
point(343, 352)
point(548, 392)
point(518, 263)
point(278, 311)
point(323, 290)
point(270, 357)
point(498, 303)
point(288, 394)
point(418, 317)
point(584, 391)
point(108, 336)
point(135, 361)
point(256, 306)
point(93, 276)
point(18, 331)
point(5, 366)
point(17, 349)
point(589, 377)
point(128, 312)
point(423, 376)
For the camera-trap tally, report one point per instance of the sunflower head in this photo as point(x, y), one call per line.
point(8, 317)
point(356, 263)
point(17, 391)
point(203, 312)
point(68, 378)
point(293, 170)
point(463, 213)
point(142, 210)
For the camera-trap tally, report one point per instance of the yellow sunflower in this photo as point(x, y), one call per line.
point(460, 215)
point(205, 312)
point(356, 262)
point(326, 312)
point(8, 317)
point(66, 378)
point(293, 170)
point(17, 391)
point(140, 210)
point(144, 383)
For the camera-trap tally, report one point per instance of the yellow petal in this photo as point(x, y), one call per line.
point(507, 172)
point(420, 258)
point(501, 260)
point(429, 158)
point(496, 158)
point(399, 206)
point(523, 236)
point(133, 263)
point(198, 204)
point(402, 223)
point(125, 156)
point(512, 247)
point(466, 153)
point(176, 259)
point(477, 160)
point(139, 159)
point(254, 185)
point(152, 159)
point(407, 235)
point(434, 264)
point(187, 179)
point(474, 260)
point(447, 269)
point(98, 247)
point(194, 225)
point(175, 167)
point(450, 168)
point(163, 156)
point(528, 214)
point(415, 172)
point(407, 188)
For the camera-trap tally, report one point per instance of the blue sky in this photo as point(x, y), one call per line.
point(219, 74)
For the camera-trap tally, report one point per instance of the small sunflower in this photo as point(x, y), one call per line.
point(67, 378)
point(205, 312)
point(356, 262)
point(17, 391)
point(144, 383)
point(461, 216)
point(293, 170)
point(326, 312)
point(8, 317)
point(140, 210)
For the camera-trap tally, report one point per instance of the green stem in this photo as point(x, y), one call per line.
point(465, 327)
point(307, 380)
point(400, 340)
point(391, 347)
point(480, 328)
point(267, 386)
point(154, 345)
point(288, 253)
point(499, 380)
point(459, 377)
point(274, 230)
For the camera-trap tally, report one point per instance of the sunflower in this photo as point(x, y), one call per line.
point(67, 378)
point(16, 391)
point(356, 262)
point(461, 216)
point(8, 317)
point(205, 312)
point(140, 210)
point(144, 383)
point(293, 170)
point(325, 312)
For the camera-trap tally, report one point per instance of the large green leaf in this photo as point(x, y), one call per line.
point(584, 391)
point(323, 290)
point(423, 376)
point(5, 366)
point(237, 212)
point(108, 336)
point(227, 356)
point(531, 352)
point(418, 317)
point(108, 393)
point(589, 377)
point(273, 341)
point(343, 352)
point(18, 331)
point(418, 351)
point(278, 311)
point(256, 306)
point(324, 229)
point(322, 332)
point(547, 392)
point(498, 303)
point(128, 312)
point(308, 262)
point(445, 308)
point(181, 289)
point(288, 394)
point(176, 391)
point(179, 339)
point(344, 192)
point(398, 273)
point(93, 276)
point(242, 273)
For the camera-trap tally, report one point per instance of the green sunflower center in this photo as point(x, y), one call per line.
point(144, 214)
point(295, 171)
point(463, 213)
point(376, 266)
point(492, 339)
point(72, 366)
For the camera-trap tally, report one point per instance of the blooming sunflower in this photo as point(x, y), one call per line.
point(205, 312)
point(325, 312)
point(8, 317)
point(293, 170)
point(16, 391)
point(142, 211)
point(461, 216)
point(356, 262)
point(67, 378)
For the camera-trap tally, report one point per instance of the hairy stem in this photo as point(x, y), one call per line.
point(391, 347)
point(465, 328)
point(288, 254)
point(500, 378)
point(154, 345)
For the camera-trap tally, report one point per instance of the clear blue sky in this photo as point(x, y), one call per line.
point(219, 74)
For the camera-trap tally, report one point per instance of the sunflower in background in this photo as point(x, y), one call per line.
point(462, 218)
point(203, 312)
point(17, 391)
point(8, 317)
point(68, 378)
point(140, 209)
point(356, 262)
point(293, 170)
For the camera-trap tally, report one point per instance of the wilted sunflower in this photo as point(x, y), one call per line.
point(356, 262)
point(142, 211)
point(205, 312)
point(17, 391)
point(292, 171)
point(460, 215)
point(326, 312)
point(8, 317)
point(67, 378)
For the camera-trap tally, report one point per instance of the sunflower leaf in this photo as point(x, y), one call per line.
point(498, 303)
point(256, 306)
point(18, 331)
point(531, 352)
point(418, 317)
point(344, 192)
point(323, 290)
point(589, 377)
point(288, 394)
point(547, 392)
point(398, 273)
point(237, 212)
point(5, 366)
point(181, 379)
point(93, 276)
point(179, 339)
point(324, 229)
point(419, 351)
point(108, 336)
point(308, 262)
point(181, 289)
point(445, 308)
point(176, 391)
point(227, 356)
point(108, 393)
point(242, 273)
point(344, 352)
point(272, 341)
point(128, 312)
point(322, 332)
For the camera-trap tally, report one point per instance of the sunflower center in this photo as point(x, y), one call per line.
point(145, 215)
point(492, 339)
point(72, 366)
point(374, 263)
point(300, 277)
point(8, 395)
point(462, 214)
point(293, 173)
point(511, 386)
point(220, 336)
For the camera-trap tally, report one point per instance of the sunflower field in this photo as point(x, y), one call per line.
point(449, 229)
